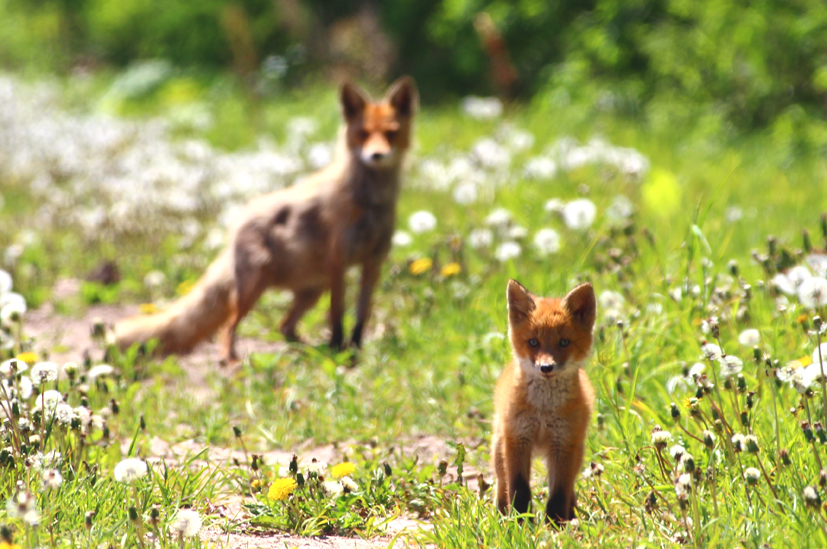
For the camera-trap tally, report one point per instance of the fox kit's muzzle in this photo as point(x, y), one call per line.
point(546, 367)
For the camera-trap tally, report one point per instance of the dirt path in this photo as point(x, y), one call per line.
point(65, 338)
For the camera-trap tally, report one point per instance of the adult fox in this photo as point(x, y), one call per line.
point(302, 238)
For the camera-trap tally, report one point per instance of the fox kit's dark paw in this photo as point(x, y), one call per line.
point(558, 510)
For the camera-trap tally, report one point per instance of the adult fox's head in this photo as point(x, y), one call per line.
point(378, 133)
point(548, 336)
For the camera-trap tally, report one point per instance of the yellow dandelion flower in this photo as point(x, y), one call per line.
point(421, 265)
point(185, 287)
point(343, 469)
point(7, 545)
point(804, 361)
point(148, 308)
point(281, 489)
point(697, 321)
point(28, 357)
point(450, 269)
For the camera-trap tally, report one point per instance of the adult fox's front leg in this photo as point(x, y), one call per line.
point(370, 275)
point(337, 299)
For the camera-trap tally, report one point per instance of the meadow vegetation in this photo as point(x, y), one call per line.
point(706, 249)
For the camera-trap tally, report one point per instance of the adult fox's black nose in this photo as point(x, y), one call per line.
point(546, 368)
point(377, 156)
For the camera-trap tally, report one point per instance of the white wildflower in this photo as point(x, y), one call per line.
point(749, 337)
point(554, 205)
point(661, 438)
point(52, 479)
point(402, 239)
point(6, 282)
point(480, 238)
point(695, 371)
point(507, 251)
point(24, 506)
point(752, 475)
point(610, 300)
point(187, 522)
point(540, 167)
point(676, 451)
point(333, 488)
point(818, 263)
point(349, 484)
point(683, 486)
point(44, 372)
point(482, 108)
point(547, 241)
point(465, 193)
point(620, 209)
point(421, 222)
point(130, 470)
point(12, 366)
point(812, 293)
point(491, 154)
point(48, 400)
point(499, 218)
point(730, 366)
point(517, 232)
point(64, 413)
point(154, 279)
point(579, 214)
point(100, 370)
point(711, 351)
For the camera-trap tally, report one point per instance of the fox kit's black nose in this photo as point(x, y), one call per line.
point(546, 368)
point(376, 156)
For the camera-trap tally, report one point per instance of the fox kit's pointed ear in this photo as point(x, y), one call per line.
point(353, 100)
point(582, 305)
point(520, 302)
point(403, 96)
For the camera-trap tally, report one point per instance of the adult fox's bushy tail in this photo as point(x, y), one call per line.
point(189, 320)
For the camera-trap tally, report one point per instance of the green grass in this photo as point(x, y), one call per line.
point(438, 347)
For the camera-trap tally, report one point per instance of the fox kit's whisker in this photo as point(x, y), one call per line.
point(543, 399)
point(302, 238)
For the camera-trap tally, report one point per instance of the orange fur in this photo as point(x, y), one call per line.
point(543, 400)
point(302, 238)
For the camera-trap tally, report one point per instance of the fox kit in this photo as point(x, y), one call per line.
point(302, 238)
point(543, 398)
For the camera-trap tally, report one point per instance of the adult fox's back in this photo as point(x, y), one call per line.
point(302, 238)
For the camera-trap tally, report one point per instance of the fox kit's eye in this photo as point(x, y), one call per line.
point(363, 134)
point(533, 342)
point(390, 134)
point(564, 342)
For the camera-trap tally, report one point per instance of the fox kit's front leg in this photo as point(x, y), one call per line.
point(563, 468)
point(517, 467)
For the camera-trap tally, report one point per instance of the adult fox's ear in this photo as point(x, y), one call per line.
point(403, 96)
point(520, 302)
point(353, 100)
point(582, 305)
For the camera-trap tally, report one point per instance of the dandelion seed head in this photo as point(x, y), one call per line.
point(333, 488)
point(507, 251)
point(749, 337)
point(402, 239)
point(421, 222)
point(499, 218)
point(187, 522)
point(547, 241)
point(480, 238)
point(465, 193)
point(812, 293)
point(349, 484)
point(752, 475)
point(579, 214)
point(44, 372)
point(100, 370)
point(661, 438)
point(554, 205)
point(130, 469)
point(730, 366)
point(710, 351)
point(52, 479)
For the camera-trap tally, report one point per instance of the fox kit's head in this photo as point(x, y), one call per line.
point(550, 336)
point(379, 132)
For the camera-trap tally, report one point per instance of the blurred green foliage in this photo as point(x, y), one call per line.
point(746, 64)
